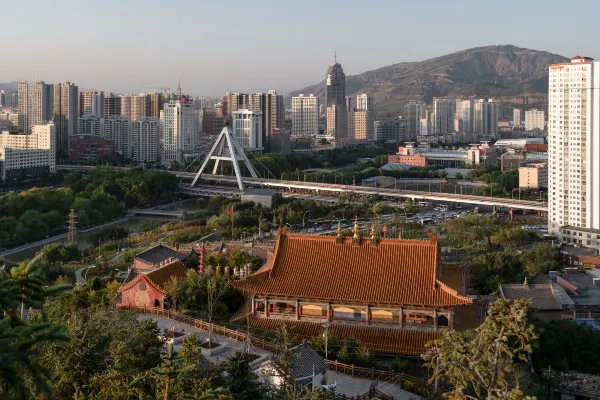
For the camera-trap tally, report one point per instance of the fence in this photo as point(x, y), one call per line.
point(237, 336)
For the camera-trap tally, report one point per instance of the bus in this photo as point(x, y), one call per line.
point(440, 207)
point(424, 204)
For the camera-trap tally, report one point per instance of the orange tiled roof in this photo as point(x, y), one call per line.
point(400, 272)
point(383, 340)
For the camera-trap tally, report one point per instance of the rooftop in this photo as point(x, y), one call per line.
point(159, 276)
point(542, 295)
point(589, 294)
point(306, 362)
point(158, 254)
point(385, 271)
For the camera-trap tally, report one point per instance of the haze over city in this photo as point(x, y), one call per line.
point(134, 46)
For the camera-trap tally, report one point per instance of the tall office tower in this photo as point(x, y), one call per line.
point(154, 102)
point(364, 102)
point(336, 85)
point(88, 103)
point(236, 101)
point(12, 99)
point(535, 119)
point(413, 113)
point(305, 115)
point(574, 151)
point(349, 103)
point(517, 117)
point(178, 130)
point(337, 122)
point(126, 105)
point(145, 138)
point(208, 120)
point(112, 104)
point(91, 126)
point(120, 130)
point(390, 130)
point(492, 120)
point(66, 114)
point(485, 117)
point(35, 104)
point(3, 98)
point(247, 128)
point(361, 125)
point(465, 114)
point(443, 114)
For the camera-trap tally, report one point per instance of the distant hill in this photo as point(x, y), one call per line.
point(490, 71)
point(9, 86)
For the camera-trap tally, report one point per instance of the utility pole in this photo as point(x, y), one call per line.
point(72, 226)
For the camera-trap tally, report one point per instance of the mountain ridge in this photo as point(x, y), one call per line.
point(485, 71)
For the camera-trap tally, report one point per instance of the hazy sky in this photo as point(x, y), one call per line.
point(249, 46)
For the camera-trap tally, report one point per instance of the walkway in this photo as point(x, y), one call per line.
point(346, 384)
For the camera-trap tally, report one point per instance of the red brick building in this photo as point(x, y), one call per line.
point(389, 294)
point(146, 290)
point(84, 149)
point(416, 160)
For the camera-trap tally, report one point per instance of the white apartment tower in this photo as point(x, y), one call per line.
point(178, 130)
point(120, 131)
point(574, 151)
point(517, 117)
point(414, 112)
point(535, 119)
point(443, 116)
point(145, 138)
point(247, 128)
point(66, 114)
point(35, 104)
point(91, 126)
point(305, 115)
point(364, 102)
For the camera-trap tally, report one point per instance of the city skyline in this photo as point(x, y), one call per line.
point(107, 62)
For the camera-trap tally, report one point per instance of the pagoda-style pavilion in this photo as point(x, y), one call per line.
point(387, 293)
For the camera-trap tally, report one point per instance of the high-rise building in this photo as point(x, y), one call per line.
point(91, 126)
point(66, 114)
point(35, 104)
point(574, 151)
point(112, 104)
point(361, 125)
point(413, 113)
point(3, 98)
point(91, 103)
point(134, 106)
point(336, 86)
point(390, 130)
point(305, 115)
point(247, 128)
point(120, 130)
point(485, 117)
point(364, 102)
point(10, 115)
point(208, 120)
point(154, 102)
point(280, 141)
point(28, 154)
point(517, 117)
point(465, 116)
point(274, 115)
point(443, 114)
point(337, 122)
point(8, 99)
point(535, 119)
point(236, 101)
point(178, 130)
point(145, 138)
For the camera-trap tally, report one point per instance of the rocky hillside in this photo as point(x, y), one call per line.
point(491, 71)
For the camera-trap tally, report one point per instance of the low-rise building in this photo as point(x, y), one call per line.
point(391, 130)
point(89, 149)
point(510, 162)
point(533, 176)
point(280, 141)
point(32, 154)
point(549, 300)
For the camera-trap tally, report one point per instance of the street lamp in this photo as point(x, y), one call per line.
point(259, 225)
point(344, 212)
point(326, 326)
point(304, 215)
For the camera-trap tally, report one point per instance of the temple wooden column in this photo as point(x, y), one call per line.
point(435, 321)
point(401, 322)
point(253, 305)
point(266, 307)
point(368, 315)
point(451, 320)
point(297, 310)
point(328, 312)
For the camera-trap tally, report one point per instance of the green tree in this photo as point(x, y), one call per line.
point(483, 363)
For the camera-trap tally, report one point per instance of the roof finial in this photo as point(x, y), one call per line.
point(373, 230)
point(525, 283)
point(339, 229)
point(355, 230)
point(335, 56)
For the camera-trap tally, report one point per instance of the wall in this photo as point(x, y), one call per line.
point(136, 296)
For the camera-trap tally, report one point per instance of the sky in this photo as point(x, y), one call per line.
point(253, 46)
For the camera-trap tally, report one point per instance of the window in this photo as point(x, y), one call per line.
point(581, 315)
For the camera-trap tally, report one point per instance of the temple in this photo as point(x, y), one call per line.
point(387, 293)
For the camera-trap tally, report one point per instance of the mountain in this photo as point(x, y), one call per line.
point(9, 86)
point(490, 71)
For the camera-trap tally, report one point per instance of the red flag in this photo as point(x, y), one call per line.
point(231, 211)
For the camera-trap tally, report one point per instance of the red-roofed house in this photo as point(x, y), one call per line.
point(387, 293)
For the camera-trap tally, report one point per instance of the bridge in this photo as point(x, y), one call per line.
point(158, 213)
point(226, 148)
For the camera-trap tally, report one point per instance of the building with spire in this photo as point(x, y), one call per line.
point(337, 112)
point(392, 295)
